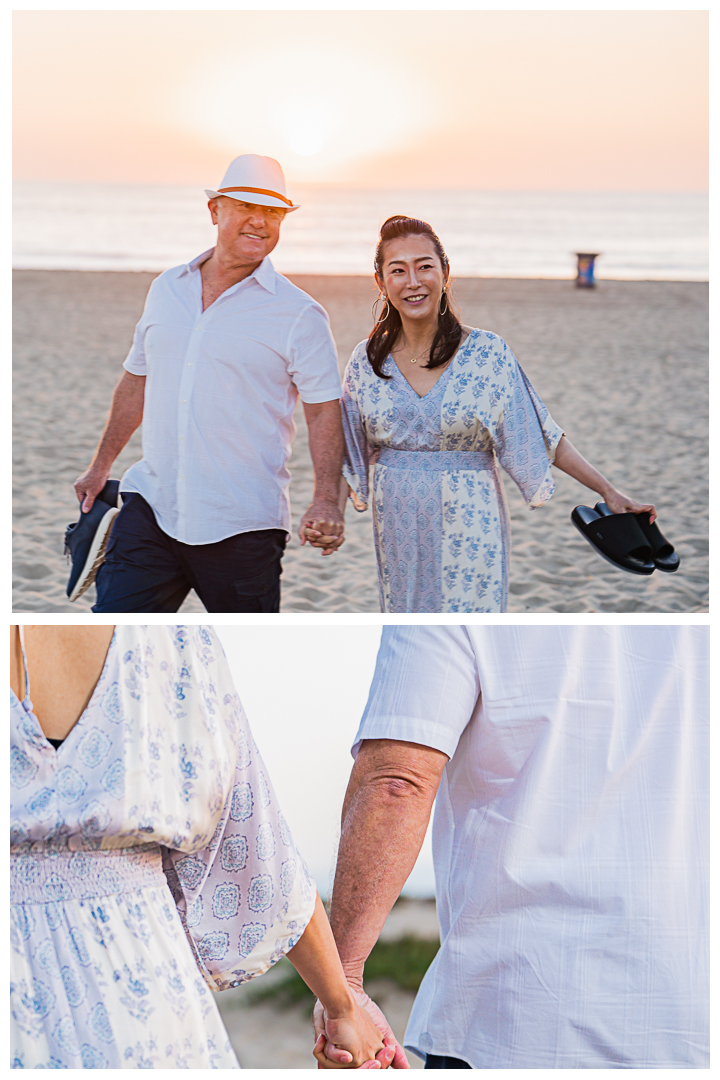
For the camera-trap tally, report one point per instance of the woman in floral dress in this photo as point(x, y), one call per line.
point(150, 861)
point(437, 407)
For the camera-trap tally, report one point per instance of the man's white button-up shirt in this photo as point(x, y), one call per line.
point(221, 387)
point(570, 839)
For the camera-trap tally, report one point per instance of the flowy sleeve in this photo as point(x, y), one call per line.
point(526, 436)
point(247, 897)
point(358, 452)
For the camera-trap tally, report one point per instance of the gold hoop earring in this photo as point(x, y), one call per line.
point(440, 312)
point(387, 308)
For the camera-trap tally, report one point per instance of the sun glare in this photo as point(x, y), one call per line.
point(316, 112)
point(309, 123)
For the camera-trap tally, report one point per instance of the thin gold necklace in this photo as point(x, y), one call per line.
point(414, 359)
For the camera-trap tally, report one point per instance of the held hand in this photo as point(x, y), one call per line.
point(322, 526)
point(618, 503)
point(383, 1060)
point(392, 1053)
point(319, 534)
point(354, 1037)
point(89, 485)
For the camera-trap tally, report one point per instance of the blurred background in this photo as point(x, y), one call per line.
point(524, 136)
point(304, 689)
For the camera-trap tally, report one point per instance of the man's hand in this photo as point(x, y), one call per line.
point(89, 485)
point(382, 1061)
point(322, 526)
point(356, 1040)
point(330, 1057)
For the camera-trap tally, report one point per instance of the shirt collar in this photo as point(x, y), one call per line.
point(265, 273)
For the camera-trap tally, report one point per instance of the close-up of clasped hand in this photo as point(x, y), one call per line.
point(142, 810)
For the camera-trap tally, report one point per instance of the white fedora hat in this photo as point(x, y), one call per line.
point(254, 179)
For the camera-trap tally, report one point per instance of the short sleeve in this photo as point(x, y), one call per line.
point(246, 898)
point(356, 462)
point(425, 688)
point(527, 436)
point(312, 356)
point(135, 361)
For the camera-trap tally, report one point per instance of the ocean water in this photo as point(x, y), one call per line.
point(486, 234)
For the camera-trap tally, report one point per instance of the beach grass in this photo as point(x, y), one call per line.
point(402, 962)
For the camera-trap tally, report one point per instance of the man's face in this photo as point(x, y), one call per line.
point(246, 232)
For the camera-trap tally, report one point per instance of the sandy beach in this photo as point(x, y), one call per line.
point(623, 368)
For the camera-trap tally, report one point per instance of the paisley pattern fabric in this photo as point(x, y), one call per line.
point(150, 864)
point(440, 519)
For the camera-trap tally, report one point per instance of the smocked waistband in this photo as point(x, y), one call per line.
point(43, 876)
point(437, 460)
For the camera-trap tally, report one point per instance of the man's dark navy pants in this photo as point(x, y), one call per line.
point(147, 570)
point(441, 1061)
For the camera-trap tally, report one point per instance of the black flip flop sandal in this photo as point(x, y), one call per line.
point(617, 537)
point(663, 553)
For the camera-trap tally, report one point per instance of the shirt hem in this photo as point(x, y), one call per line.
point(130, 367)
point(319, 397)
point(407, 729)
point(235, 531)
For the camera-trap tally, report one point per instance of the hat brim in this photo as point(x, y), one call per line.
point(251, 197)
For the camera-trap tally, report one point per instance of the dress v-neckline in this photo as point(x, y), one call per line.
point(421, 397)
point(27, 705)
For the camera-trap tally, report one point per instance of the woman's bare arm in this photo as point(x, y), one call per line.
point(316, 960)
point(571, 461)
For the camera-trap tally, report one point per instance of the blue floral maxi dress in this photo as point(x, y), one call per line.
point(440, 520)
point(150, 864)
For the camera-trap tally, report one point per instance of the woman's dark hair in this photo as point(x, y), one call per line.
point(384, 333)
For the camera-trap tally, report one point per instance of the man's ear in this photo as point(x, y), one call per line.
point(212, 207)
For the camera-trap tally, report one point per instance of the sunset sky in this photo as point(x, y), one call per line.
point(534, 100)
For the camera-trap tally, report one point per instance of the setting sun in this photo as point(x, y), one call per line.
point(314, 104)
point(511, 100)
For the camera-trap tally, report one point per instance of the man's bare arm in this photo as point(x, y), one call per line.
point(385, 817)
point(326, 443)
point(125, 417)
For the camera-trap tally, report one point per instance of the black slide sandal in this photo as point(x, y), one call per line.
point(617, 537)
point(664, 555)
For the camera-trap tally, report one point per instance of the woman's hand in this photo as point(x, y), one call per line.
point(329, 1056)
point(324, 534)
point(355, 1037)
point(618, 503)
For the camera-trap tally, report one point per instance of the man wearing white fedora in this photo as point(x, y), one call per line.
point(223, 349)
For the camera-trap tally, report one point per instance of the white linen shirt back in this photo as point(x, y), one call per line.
point(221, 387)
point(570, 839)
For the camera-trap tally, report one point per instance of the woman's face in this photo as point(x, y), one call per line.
point(413, 277)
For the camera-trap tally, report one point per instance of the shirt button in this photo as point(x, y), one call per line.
point(189, 365)
point(184, 401)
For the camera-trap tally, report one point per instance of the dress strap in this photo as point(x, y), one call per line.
point(25, 666)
